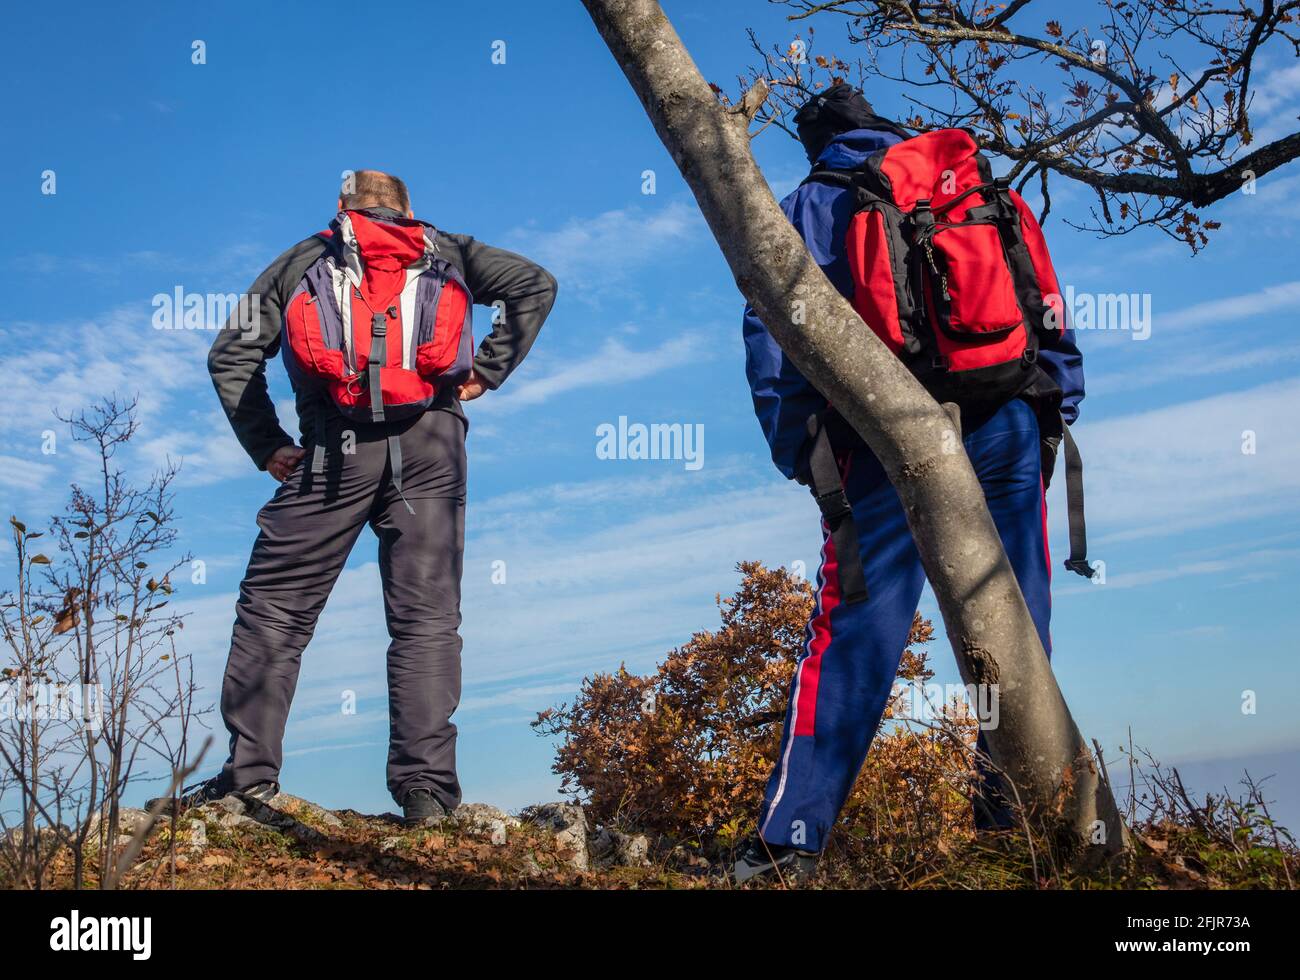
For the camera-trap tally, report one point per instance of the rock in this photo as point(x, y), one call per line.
point(568, 823)
point(610, 848)
point(198, 837)
point(230, 813)
point(287, 806)
point(305, 810)
point(45, 836)
point(129, 820)
point(482, 818)
point(468, 813)
point(601, 848)
point(235, 821)
point(280, 814)
point(687, 858)
point(227, 804)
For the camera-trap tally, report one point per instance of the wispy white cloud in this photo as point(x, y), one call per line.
point(205, 447)
point(1182, 466)
point(1270, 300)
point(331, 747)
point(580, 497)
point(1249, 219)
point(1275, 99)
point(23, 473)
point(1202, 361)
point(240, 260)
point(613, 363)
point(591, 255)
point(515, 696)
point(1179, 572)
point(58, 369)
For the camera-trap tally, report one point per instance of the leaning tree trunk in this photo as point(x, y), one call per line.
point(1036, 743)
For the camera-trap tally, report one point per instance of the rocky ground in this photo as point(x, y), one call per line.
point(293, 843)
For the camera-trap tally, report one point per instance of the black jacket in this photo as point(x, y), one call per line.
point(237, 361)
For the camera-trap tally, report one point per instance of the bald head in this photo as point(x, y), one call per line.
point(374, 189)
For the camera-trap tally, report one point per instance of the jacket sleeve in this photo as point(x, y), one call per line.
point(783, 397)
point(522, 294)
point(251, 337)
point(1063, 362)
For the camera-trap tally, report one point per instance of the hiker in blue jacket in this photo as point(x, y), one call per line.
point(847, 670)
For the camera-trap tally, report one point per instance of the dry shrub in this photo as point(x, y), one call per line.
point(686, 751)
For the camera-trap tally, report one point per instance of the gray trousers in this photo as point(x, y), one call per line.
point(307, 531)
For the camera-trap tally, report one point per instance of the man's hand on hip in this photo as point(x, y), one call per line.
point(283, 460)
point(472, 387)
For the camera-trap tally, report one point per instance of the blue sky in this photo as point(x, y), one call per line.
point(173, 174)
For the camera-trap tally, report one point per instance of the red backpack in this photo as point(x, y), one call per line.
point(951, 271)
point(380, 324)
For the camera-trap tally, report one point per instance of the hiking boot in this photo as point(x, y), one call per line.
point(218, 788)
point(759, 859)
point(421, 808)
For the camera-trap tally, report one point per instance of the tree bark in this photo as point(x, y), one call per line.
point(1036, 743)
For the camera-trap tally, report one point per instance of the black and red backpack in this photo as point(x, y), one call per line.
point(380, 324)
point(950, 269)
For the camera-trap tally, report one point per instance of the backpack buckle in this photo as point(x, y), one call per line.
point(1080, 566)
point(834, 506)
point(939, 362)
point(1029, 356)
point(1003, 207)
point(922, 219)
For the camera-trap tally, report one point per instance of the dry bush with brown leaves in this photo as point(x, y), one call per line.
point(686, 751)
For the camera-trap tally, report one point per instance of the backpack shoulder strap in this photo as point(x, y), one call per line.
point(1078, 560)
point(827, 175)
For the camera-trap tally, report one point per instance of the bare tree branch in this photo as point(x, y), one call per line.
point(1154, 141)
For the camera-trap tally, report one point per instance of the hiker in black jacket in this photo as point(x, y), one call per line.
point(373, 320)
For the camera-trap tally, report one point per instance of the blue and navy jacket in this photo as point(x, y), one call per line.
point(820, 212)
